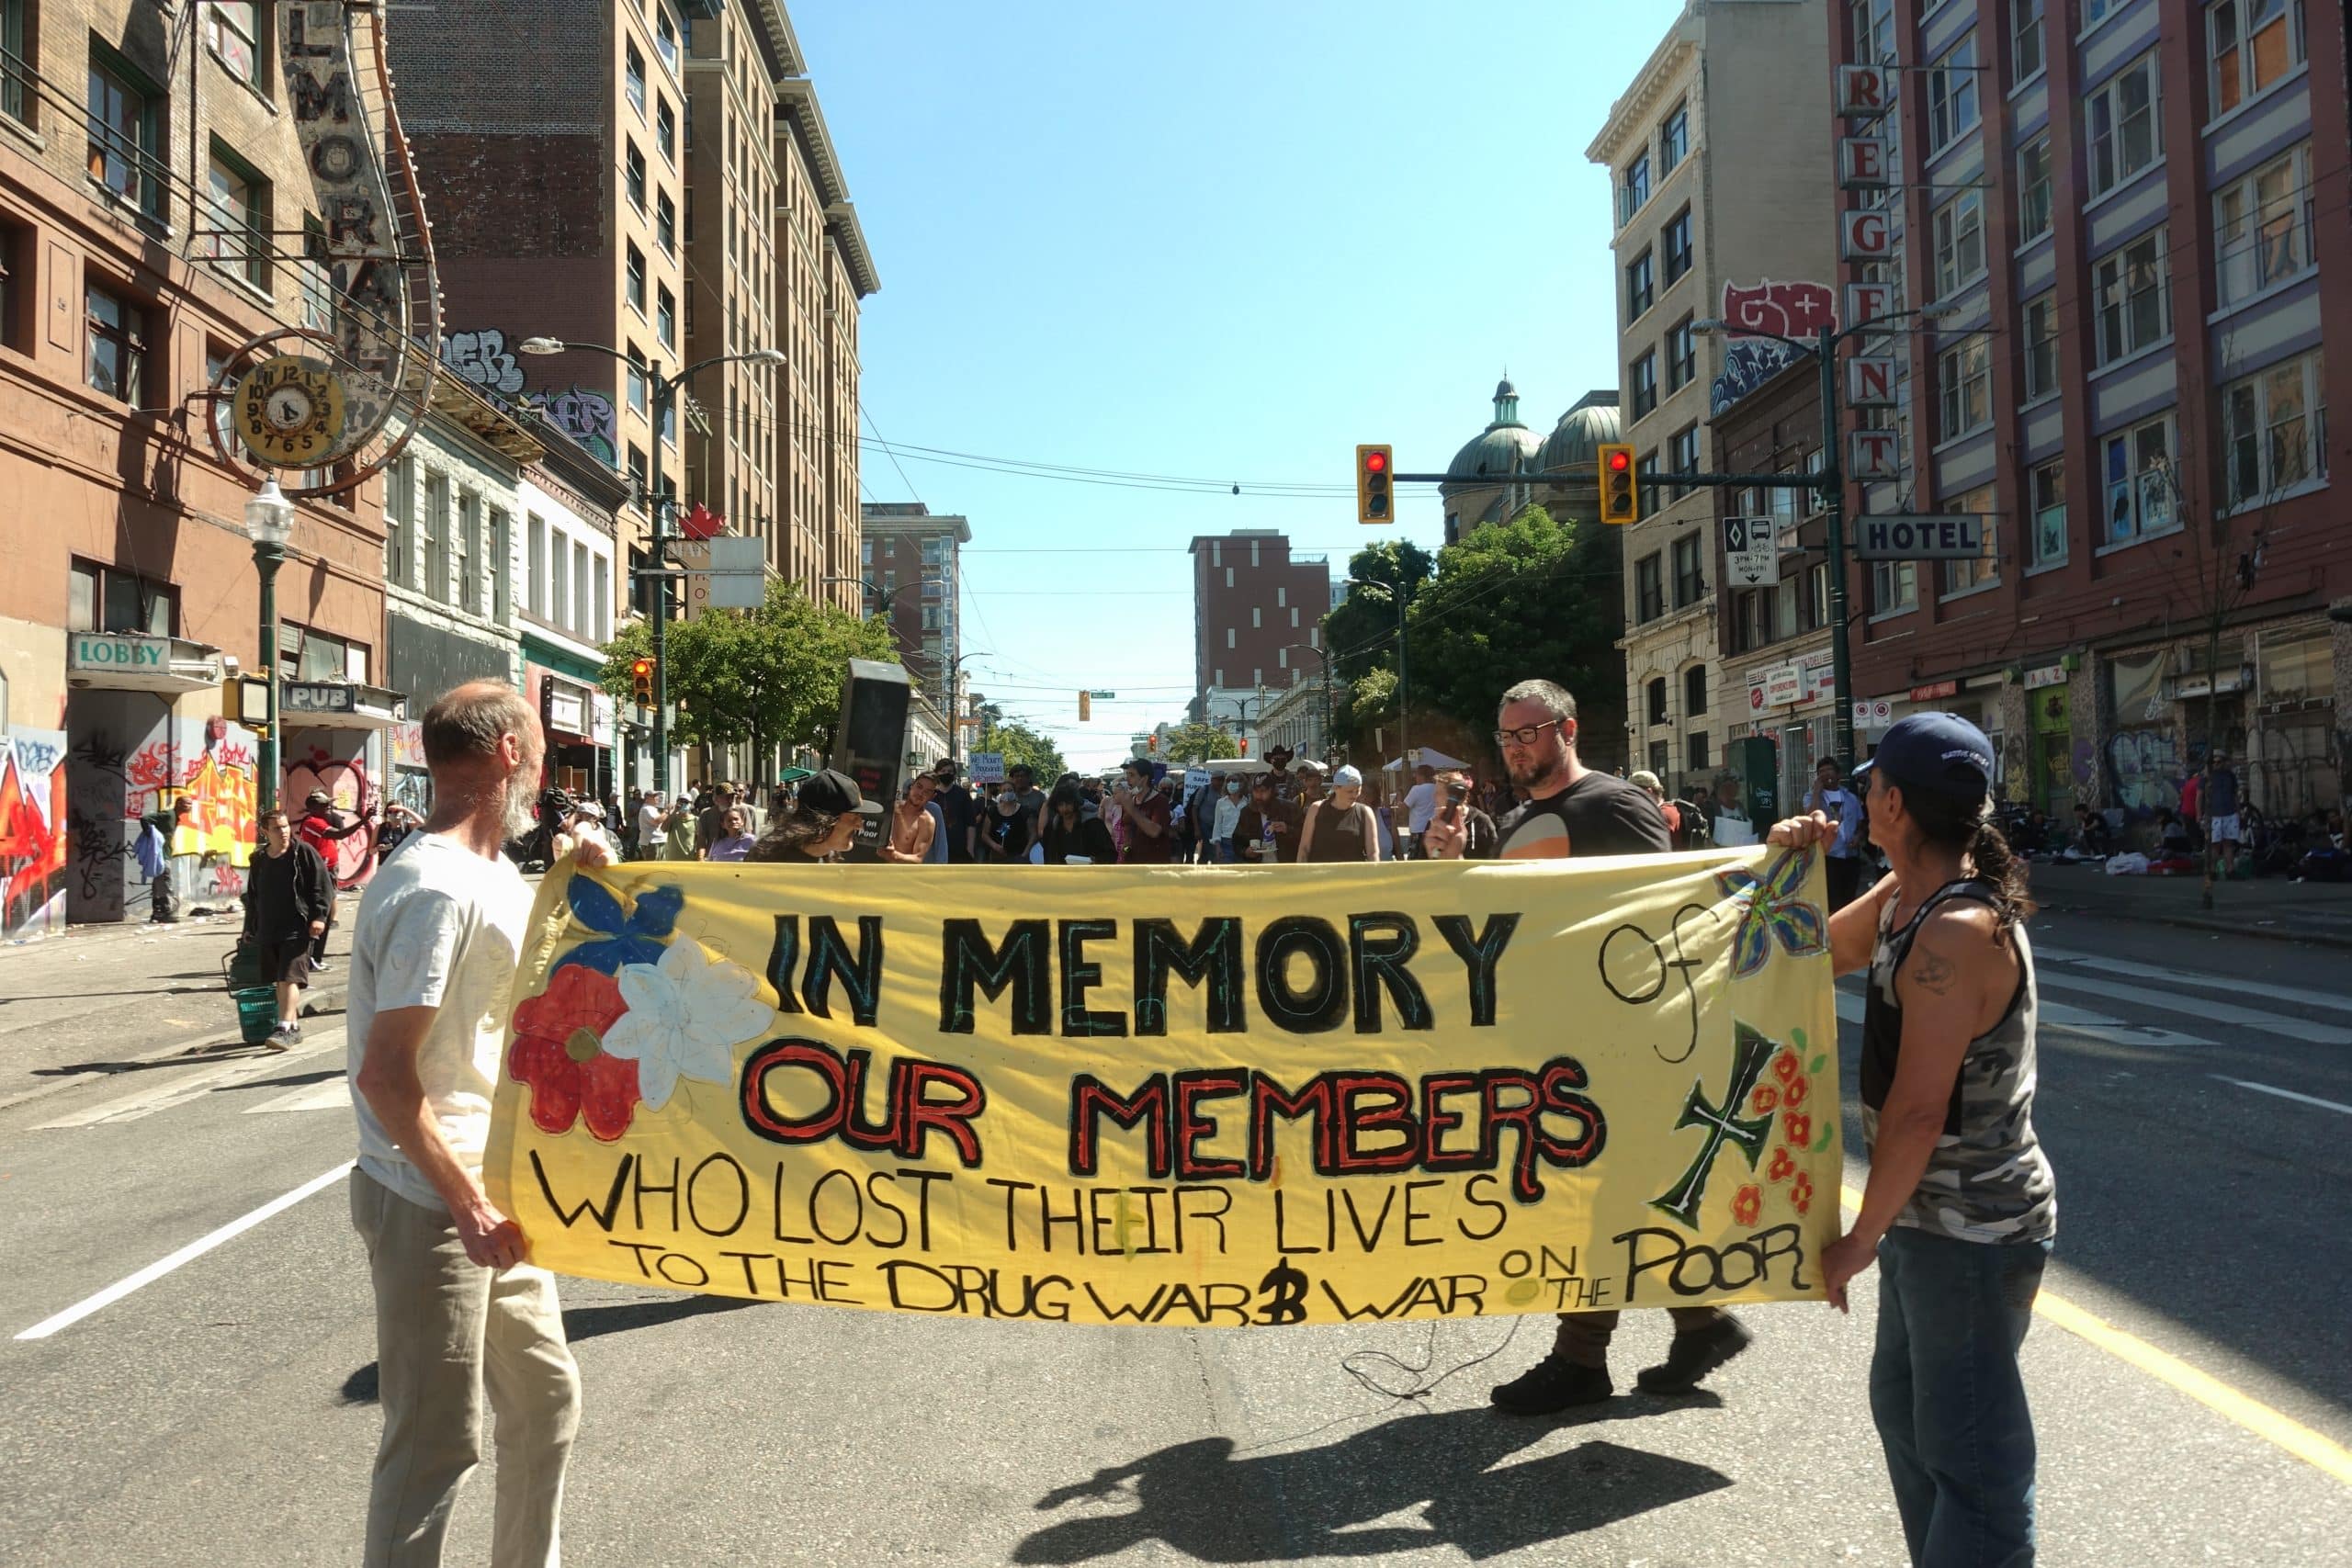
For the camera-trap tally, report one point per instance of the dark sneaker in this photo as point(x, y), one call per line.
point(320, 967)
point(1552, 1384)
point(1693, 1355)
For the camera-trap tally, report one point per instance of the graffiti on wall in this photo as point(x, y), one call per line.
point(2145, 767)
point(353, 859)
point(1792, 310)
point(32, 834)
point(1748, 363)
point(482, 358)
point(410, 784)
point(586, 417)
point(122, 765)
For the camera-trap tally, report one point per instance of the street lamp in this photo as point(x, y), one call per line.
point(665, 398)
point(1831, 483)
point(1395, 596)
point(1325, 660)
point(269, 523)
point(954, 700)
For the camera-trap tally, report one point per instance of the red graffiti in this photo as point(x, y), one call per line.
point(32, 847)
point(352, 859)
point(1790, 310)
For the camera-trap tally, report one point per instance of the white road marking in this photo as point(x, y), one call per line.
point(2074, 1019)
point(328, 1094)
point(195, 1249)
point(178, 1088)
point(2286, 1094)
point(2201, 1007)
point(2327, 1000)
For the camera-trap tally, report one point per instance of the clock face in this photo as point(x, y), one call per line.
point(288, 407)
point(290, 411)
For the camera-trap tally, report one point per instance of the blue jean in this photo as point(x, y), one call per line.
point(1948, 1399)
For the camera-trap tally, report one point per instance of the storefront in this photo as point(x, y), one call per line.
point(579, 758)
point(1978, 699)
point(2051, 786)
point(2293, 764)
point(1789, 702)
point(335, 740)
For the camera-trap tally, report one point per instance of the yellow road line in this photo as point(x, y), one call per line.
point(2323, 1453)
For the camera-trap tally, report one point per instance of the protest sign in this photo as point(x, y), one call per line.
point(987, 767)
point(1142, 1095)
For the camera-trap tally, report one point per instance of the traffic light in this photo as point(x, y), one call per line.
point(1373, 465)
point(1620, 486)
point(1085, 707)
point(641, 675)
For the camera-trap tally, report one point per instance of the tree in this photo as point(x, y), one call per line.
point(1360, 634)
point(768, 676)
point(1195, 742)
point(1022, 746)
point(1364, 708)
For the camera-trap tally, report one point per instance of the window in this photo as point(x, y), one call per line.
point(2139, 481)
point(1642, 379)
point(1751, 620)
point(312, 280)
point(1959, 242)
point(2121, 119)
point(1873, 25)
point(465, 554)
point(125, 128)
point(17, 94)
point(1662, 758)
point(1641, 289)
point(2025, 41)
point(118, 346)
point(1682, 454)
point(1674, 139)
point(2262, 226)
point(638, 389)
point(665, 222)
point(2046, 494)
point(665, 316)
point(228, 33)
point(1959, 576)
point(1646, 471)
point(559, 584)
point(1965, 388)
point(1697, 752)
point(2129, 288)
point(1658, 700)
point(1649, 589)
point(665, 38)
point(1894, 587)
point(1676, 242)
point(633, 162)
point(1951, 95)
point(400, 522)
point(535, 579)
point(2033, 188)
point(1694, 690)
point(106, 599)
point(582, 623)
point(1633, 189)
point(665, 131)
point(2273, 424)
point(434, 527)
point(635, 280)
point(633, 77)
point(1690, 579)
point(1681, 355)
point(239, 218)
point(2254, 43)
point(502, 568)
point(2041, 346)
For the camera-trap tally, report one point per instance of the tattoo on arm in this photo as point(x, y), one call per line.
point(1931, 970)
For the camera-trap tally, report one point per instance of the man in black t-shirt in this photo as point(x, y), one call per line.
point(1572, 810)
point(963, 814)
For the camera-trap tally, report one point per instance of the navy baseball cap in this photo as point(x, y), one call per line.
point(836, 794)
point(1939, 752)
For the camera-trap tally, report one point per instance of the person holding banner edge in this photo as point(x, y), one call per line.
point(1960, 1210)
point(1572, 810)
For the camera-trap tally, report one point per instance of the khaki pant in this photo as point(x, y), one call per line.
point(1582, 1339)
point(446, 1331)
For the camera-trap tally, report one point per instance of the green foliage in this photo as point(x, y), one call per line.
point(1367, 705)
point(772, 674)
point(1020, 745)
point(1361, 633)
point(1195, 743)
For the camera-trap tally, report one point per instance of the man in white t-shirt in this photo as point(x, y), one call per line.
point(433, 956)
point(649, 826)
point(1420, 805)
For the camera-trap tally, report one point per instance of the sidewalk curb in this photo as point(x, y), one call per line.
point(323, 1002)
point(2219, 924)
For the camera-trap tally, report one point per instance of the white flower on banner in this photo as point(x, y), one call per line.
point(686, 1016)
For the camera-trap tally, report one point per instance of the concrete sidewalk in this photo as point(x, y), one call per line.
point(2273, 906)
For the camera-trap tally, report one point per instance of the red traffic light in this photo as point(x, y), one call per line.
point(643, 667)
point(1376, 462)
point(1620, 461)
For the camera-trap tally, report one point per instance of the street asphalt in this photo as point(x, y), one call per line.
point(2195, 1099)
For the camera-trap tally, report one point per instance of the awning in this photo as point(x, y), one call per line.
point(1423, 757)
point(339, 705)
point(120, 661)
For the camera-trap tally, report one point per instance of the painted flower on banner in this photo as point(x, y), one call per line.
point(1774, 910)
point(686, 1014)
point(633, 934)
point(1797, 1127)
point(1748, 1205)
point(558, 1050)
point(1801, 1192)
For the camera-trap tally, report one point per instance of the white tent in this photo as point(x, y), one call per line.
point(1427, 756)
point(1236, 765)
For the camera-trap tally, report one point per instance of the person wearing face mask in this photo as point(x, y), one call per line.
point(1343, 827)
point(821, 823)
point(1070, 836)
point(1225, 820)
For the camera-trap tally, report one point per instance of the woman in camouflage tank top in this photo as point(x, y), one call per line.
point(1960, 1210)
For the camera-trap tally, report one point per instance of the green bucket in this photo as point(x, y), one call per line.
point(256, 1012)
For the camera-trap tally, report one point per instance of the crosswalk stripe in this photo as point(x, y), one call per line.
point(328, 1094)
point(2295, 994)
point(2074, 1019)
point(145, 1102)
point(2284, 1093)
point(2200, 1007)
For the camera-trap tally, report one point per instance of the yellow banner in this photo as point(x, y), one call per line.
point(1207, 1096)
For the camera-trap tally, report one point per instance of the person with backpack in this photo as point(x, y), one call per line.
point(1648, 783)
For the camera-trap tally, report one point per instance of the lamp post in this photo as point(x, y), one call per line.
point(1830, 481)
point(1324, 660)
point(666, 403)
point(954, 700)
point(269, 523)
point(1395, 596)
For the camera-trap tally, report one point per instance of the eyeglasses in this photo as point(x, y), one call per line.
point(1527, 735)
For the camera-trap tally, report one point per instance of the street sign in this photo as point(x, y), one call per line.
point(1751, 552)
point(987, 767)
point(738, 572)
point(1783, 686)
point(1103, 696)
point(1919, 536)
point(1873, 713)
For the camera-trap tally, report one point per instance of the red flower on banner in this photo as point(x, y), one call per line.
point(1765, 1100)
point(1748, 1206)
point(558, 1050)
point(1786, 1065)
point(1782, 1167)
point(1801, 1192)
point(1794, 1096)
point(1797, 1128)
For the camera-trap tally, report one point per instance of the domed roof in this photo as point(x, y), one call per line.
point(1500, 452)
point(1575, 443)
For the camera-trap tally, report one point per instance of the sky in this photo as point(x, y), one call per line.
point(1216, 241)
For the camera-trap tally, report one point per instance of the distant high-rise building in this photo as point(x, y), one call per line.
point(910, 561)
point(1250, 603)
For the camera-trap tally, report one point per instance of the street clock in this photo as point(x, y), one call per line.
point(290, 411)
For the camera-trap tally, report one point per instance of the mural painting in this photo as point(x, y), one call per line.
point(410, 784)
point(32, 834)
point(2146, 766)
point(125, 760)
point(336, 761)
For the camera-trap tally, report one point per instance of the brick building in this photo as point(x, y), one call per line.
point(910, 561)
point(1250, 603)
point(2123, 209)
point(147, 164)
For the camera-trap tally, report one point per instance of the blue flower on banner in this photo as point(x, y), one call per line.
point(1774, 912)
point(630, 936)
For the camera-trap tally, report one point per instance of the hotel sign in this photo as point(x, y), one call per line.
point(1921, 537)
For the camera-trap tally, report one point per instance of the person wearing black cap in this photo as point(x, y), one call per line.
point(320, 830)
point(820, 823)
point(1960, 1210)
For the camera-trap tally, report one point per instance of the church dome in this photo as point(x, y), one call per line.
point(1575, 443)
point(1500, 451)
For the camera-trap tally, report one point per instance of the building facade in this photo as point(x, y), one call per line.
point(1720, 199)
point(568, 505)
point(1298, 718)
point(911, 565)
point(1506, 467)
point(1257, 617)
point(2144, 296)
point(147, 166)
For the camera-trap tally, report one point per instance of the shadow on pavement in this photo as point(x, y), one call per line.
point(584, 1323)
point(1206, 1503)
point(212, 1052)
